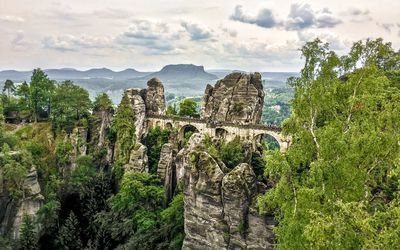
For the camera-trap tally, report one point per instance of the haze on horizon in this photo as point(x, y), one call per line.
point(247, 35)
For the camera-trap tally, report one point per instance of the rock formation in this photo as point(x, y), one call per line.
point(78, 139)
point(100, 123)
point(236, 98)
point(166, 169)
point(138, 160)
point(154, 98)
point(13, 211)
point(219, 213)
point(150, 101)
point(139, 108)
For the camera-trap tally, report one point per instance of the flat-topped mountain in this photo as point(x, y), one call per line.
point(182, 71)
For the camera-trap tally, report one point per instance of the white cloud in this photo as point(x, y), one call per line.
point(302, 16)
point(335, 42)
point(75, 43)
point(264, 18)
point(196, 32)
point(15, 19)
point(155, 36)
point(357, 15)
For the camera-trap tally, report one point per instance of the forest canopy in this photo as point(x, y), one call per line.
point(337, 187)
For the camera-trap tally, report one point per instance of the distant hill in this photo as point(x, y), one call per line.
point(180, 79)
point(72, 74)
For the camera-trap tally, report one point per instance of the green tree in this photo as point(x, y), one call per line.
point(9, 87)
point(23, 94)
point(102, 103)
point(42, 89)
point(171, 110)
point(1, 118)
point(69, 235)
point(135, 208)
point(188, 107)
point(124, 128)
point(154, 141)
point(173, 222)
point(335, 184)
point(28, 238)
point(70, 104)
point(232, 153)
point(14, 166)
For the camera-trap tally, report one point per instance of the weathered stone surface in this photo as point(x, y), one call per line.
point(260, 230)
point(78, 139)
point(99, 124)
point(139, 108)
point(218, 205)
point(138, 160)
point(205, 227)
point(155, 99)
point(166, 170)
point(238, 188)
point(28, 206)
point(32, 183)
point(12, 211)
point(181, 160)
point(236, 98)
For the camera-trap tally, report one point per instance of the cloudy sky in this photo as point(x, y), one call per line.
point(253, 35)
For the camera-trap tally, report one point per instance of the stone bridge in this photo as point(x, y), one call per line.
point(226, 130)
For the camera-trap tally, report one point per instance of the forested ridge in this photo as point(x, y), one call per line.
point(336, 187)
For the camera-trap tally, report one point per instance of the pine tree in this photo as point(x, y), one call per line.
point(28, 240)
point(69, 234)
point(124, 127)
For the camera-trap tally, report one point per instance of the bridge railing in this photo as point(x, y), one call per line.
point(214, 124)
point(177, 118)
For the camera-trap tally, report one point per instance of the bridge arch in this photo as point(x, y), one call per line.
point(221, 132)
point(168, 126)
point(267, 141)
point(185, 132)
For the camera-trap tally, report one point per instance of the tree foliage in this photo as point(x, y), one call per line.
point(338, 182)
point(69, 236)
point(102, 102)
point(14, 167)
point(124, 128)
point(188, 108)
point(171, 110)
point(70, 104)
point(41, 90)
point(28, 238)
point(154, 141)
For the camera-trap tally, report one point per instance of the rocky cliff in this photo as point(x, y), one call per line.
point(219, 204)
point(149, 101)
point(237, 98)
point(99, 143)
point(154, 97)
point(12, 211)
